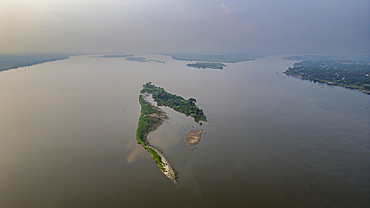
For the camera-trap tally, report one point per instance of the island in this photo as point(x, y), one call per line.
point(213, 61)
point(143, 60)
point(344, 72)
point(13, 61)
point(128, 57)
point(152, 117)
point(115, 56)
point(138, 59)
point(204, 65)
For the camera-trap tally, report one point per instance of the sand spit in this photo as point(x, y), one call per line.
point(168, 170)
point(158, 119)
point(193, 137)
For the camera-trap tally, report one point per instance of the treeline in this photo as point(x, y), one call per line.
point(204, 65)
point(352, 74)
point(144, 127)
point(176, 102)
point(144, 122)
point(224, 58)
point(343, 58)
point(15, 61)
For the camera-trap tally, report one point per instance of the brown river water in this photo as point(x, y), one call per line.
point(68, 137)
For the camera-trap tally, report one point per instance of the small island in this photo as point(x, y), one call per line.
point(142, 60)
point(353, 74)
point(152, 117)
point(128, 57)
point(213, 61)
point(204, 65)
point(138, 59)
point(115, 56)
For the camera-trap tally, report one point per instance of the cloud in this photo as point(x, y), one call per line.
point(226, 9)
point(59, 14)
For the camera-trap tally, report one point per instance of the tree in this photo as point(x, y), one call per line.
point(191, 101)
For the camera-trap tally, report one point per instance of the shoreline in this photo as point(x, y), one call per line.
point(168, 170)
point(330, 83)
point(158, 119)
point(11, 62)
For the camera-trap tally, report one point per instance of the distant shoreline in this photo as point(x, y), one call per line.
point(9, 62)
point(330, 83)
point(345, 72)
point(220, 58)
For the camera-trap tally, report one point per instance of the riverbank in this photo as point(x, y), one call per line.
point(348, 73)
point(331, 83)
point(13, 61)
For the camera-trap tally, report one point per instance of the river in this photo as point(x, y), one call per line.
point(68, 137)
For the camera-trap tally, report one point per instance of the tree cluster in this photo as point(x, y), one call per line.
point(204, 65)
point(352, 74)
point(176, 102)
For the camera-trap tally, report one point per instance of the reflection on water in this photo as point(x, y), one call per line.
point(67, 137)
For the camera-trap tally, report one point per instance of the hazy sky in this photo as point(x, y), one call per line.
point(303, 26)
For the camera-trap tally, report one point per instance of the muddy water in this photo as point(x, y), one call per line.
point(67, 137)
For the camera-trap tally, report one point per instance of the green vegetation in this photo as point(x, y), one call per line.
point(146, 108)
point(145, 122)
point(224, 58)
point(204, 65)
point(151, 117)
point(156, 157)
point(14, 61)
point(346, 73)
point(176, 102)
point(143, 128)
